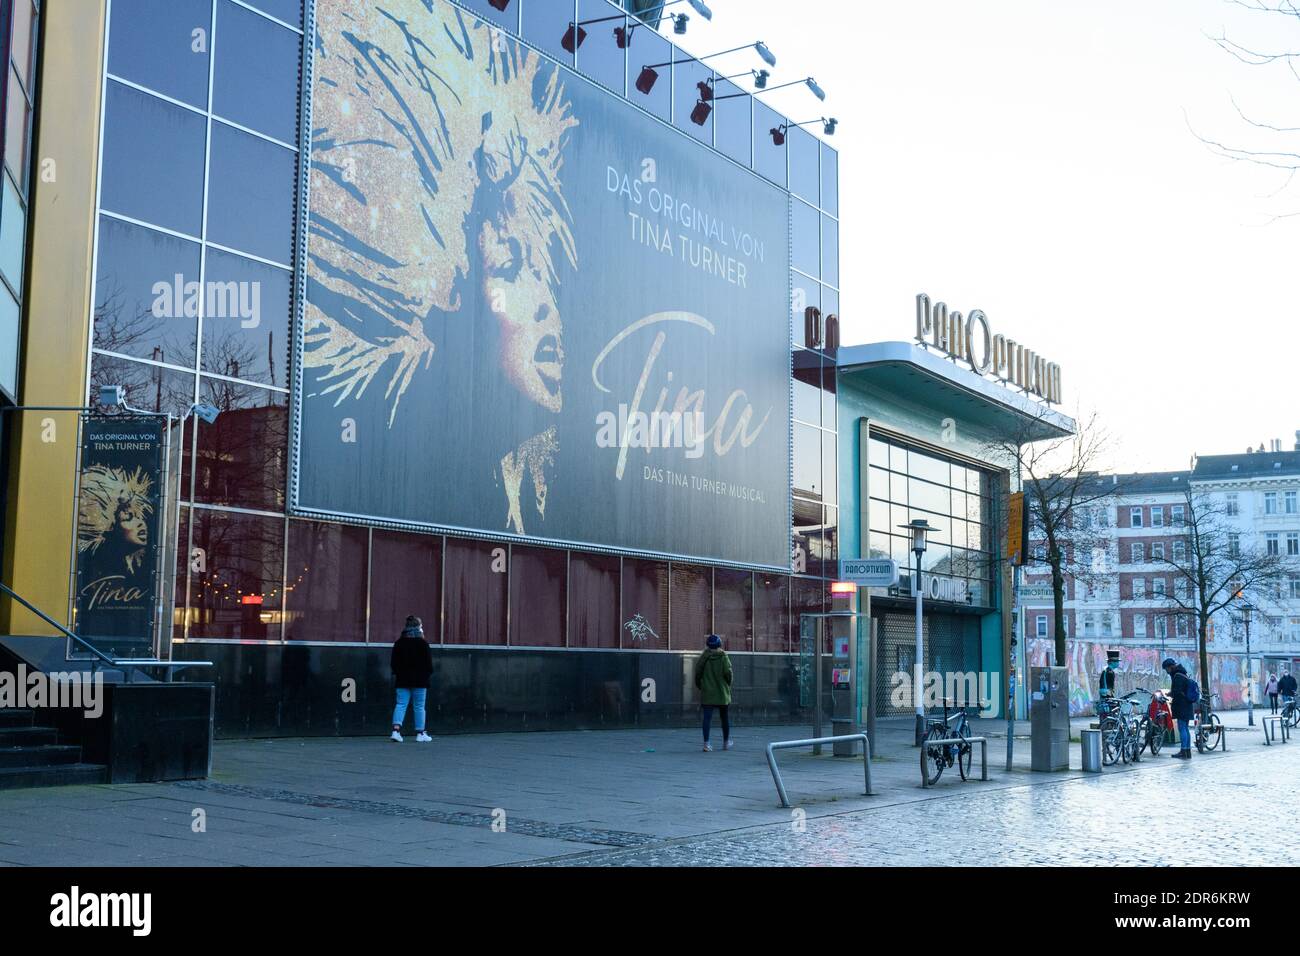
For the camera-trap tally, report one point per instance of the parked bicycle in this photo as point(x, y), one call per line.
point(1122, 735)
point(938, 756)
point(1156, 722)
point(1207, 728)
point(1290, 712)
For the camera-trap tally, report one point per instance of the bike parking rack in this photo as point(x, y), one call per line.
point(817, 741)
point(1277, 721)
point(984, 754)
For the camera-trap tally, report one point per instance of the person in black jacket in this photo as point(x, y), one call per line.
point(1286, 686)
point(1180, 706)
point(412, 667)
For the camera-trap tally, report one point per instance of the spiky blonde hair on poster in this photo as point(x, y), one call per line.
point(105, 493)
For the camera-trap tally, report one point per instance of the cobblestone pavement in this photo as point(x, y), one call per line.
point(1218, 810)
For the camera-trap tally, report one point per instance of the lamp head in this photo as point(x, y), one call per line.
point(817, 90)
point(765, 53)
point(701, 8)
point(679, 23)
point(760, 79)
point(110, 396)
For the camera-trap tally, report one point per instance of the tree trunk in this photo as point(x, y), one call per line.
point(1201, 640)
point(1058, 602)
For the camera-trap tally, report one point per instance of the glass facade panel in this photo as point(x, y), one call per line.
point(23, 42)
point(239, 593)
point(545, 25)
point(153, 160)
point(807, 393)
point(326, 582)
point(771, 613)
point(829, 482)
point(147, 293)
point(9, 324)
point(831, 252)
point(538, 581)
point(13, 230)
point(148, 387)
point(804, 292)
point(17, 124)
point(805, 174)
point(807, 596)
point(769, 158)
point(256, 79)
point(645, 605)
point(290, 11)
point(807, 461)
point(805, 244)
point(154, 43)
point(688, 78)
point(731, 117)
point(241, 456)
point(405, 578)
point(251, 189)
point(692, 607)
point(830, 180)
point(648, 48)
point(246, 326)
point(593, 600)
point(733, 608)
point(600, 57)
point(475, 598)
point(508, 18)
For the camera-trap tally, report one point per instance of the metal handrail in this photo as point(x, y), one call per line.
point(117, 663)
point(787, 744)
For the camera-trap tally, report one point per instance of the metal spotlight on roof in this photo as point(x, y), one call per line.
point(765, 53)
point(817, 90)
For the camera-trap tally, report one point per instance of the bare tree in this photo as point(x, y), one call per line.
point(1061, 481)
point(1216, 566)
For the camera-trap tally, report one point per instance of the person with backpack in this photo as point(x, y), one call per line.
point(1183, 695)
point(412, 663)
point(1270, 688)
point(1287, 686)
point(713, 678)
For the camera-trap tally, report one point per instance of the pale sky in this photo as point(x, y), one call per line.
point(1033, 158)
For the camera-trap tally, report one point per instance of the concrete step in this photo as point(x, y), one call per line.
point(59, 775)
point(48, 755)
point(27, 736)
point(17, 717)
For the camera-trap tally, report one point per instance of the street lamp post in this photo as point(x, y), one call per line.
point(1246, 610)
point(918, 527)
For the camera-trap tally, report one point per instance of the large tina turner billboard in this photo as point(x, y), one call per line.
point(532, 310)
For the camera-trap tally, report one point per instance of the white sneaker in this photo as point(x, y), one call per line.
point(423, 738)
point(396, 737)
point(708, 749)
point(728, 745)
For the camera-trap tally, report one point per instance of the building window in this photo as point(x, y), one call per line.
point(1158, 551)
point(1089, 625)
point(1041, 625)
point(1139, 625)
point(1107, 628)
point(1293, 587)
point(1139, 588)
point(1158, 587)
point(1135, 517)
point(1234, 544)
point(1162, 627)
point(1137, 554)
point(1180, 627)
point(1271, 542)
point(1177, 515)
point(1289, 500)
point(1157, 517)
point(1231, 499)
point(1293, 543)
point(1180, 550)
point(1270, 502)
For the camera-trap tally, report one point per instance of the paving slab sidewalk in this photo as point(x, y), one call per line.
point(489, 799)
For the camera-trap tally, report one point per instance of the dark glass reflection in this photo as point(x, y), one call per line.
point(153, 43)
point(645, 605)
point(181, 601)
point(769, 158)
point(538, 581)
point(405, 578)
point(805, 241)
point(290, 11)
point(238, 593)
point(242, 454)
point(804, 292)
point(807, 461)
point(246, 327)
point(733, 608)
point(256, 78)
point(148, 387)
point(805, 174)
point(144, 303)
point(829, 385)
point(807, 386)
point(600, 56)
point(805, 531)
point(251, 189)
point(325, 582)
point(692, 607)
point(593, 600)
point(807, 597)
point(153, 160)
point(509, 18)
point(771, 613)
point(475, 599)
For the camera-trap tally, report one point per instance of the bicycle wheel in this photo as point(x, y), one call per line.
point(1214, 733)
point(964, 752)
point(1155, 737)
point(1201, 737)
point(1136, 744)
point(1109, 741)
point(935, 755)
point(1291, 716)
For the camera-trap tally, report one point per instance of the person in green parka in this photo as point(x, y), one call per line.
point(713, 678)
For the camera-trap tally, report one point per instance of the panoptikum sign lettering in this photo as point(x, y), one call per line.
point(970, 339)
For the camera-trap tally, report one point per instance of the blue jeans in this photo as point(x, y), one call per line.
point(1185, 734)
point(406, 695)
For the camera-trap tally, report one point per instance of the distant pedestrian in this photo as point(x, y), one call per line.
point(713, 678)
point(1287, 686)
point(1180, 703)
point(1270, 688)
point(1106, 683)
point(412, 664)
